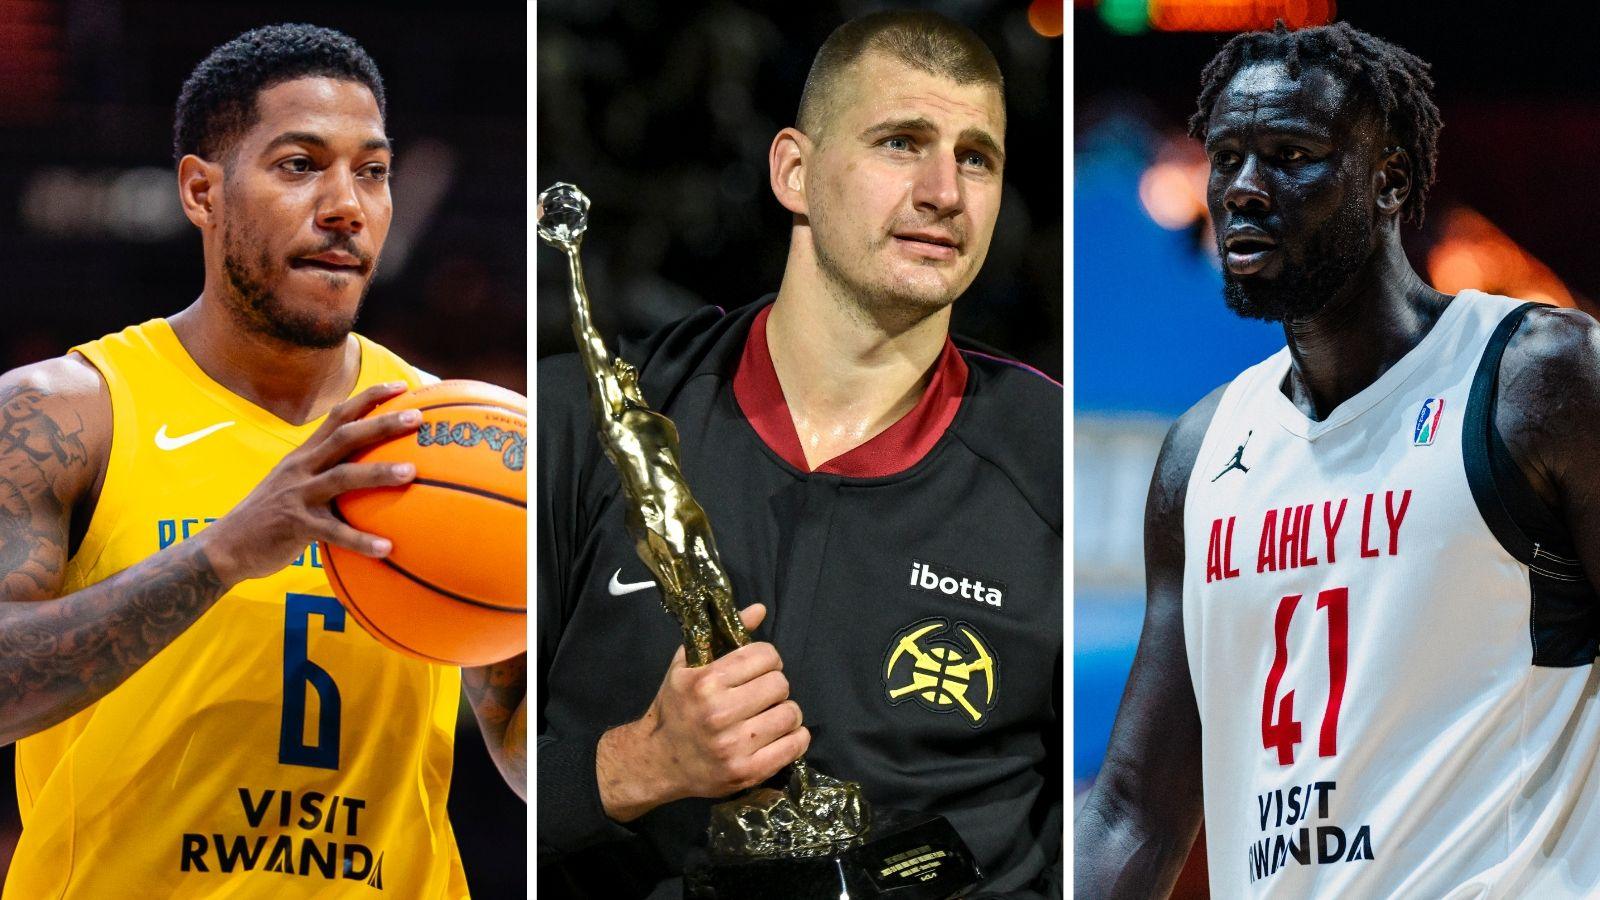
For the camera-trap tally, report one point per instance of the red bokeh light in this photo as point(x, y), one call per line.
point(1046, 17)
point(1237, 15)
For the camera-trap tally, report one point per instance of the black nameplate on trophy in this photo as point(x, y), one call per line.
point(905, 856)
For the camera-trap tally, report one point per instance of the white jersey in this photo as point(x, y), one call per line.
point(1391, 647)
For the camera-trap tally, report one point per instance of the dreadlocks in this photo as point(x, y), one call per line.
point(1397, 82)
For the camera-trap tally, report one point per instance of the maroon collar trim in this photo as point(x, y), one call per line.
point(899, 447)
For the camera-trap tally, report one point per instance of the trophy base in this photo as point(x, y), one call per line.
point(904, 855)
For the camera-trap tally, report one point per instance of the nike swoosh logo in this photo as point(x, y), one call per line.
point(618, 587)
point(183, 440)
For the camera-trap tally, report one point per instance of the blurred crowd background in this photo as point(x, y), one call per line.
point(663, 112)
point(1519, 91)
point(92, 238)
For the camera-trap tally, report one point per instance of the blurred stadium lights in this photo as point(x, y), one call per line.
point(1173, 188)
point(1472, 253)
point(1045, 16)
point(1125, 16)
point(1237, 15)
point(139, 204)
point(31, 59)
point(1130, 17)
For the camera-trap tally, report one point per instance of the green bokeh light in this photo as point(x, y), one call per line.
point(1125, 16)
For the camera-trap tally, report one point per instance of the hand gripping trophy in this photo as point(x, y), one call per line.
point(750, 837)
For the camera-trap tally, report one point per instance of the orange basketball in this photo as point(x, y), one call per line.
point(454, 589)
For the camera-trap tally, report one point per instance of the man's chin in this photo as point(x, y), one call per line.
point(311, 335)
point(1276, 298)
point(926, 287)
point(312, 326)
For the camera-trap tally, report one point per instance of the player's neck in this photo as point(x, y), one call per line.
point(845, 376)
point(1379, 317)
point(296, 384)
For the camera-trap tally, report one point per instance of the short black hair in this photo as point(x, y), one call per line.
point(923, 40)
point(218, 101)
point(1396, 82)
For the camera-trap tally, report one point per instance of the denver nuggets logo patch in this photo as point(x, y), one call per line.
point(945, 668)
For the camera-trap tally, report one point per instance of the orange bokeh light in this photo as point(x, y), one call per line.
point(1473, 253)
point(1168, 194)
point(1237, 15)
point(1046, 17)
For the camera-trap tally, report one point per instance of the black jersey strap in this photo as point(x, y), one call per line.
point(1565, 619)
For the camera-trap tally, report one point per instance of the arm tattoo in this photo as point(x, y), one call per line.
point(38, 465)
point(499, 697)
point(31, 551)
point(59, 656)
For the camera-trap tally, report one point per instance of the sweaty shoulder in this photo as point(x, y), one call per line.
point(1548, 408)
point(1012, 417)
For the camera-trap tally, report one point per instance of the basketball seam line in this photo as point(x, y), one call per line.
point(451, 594)
point(367, 622)
point(497, 408)
point(452, 486)
point(337, 514)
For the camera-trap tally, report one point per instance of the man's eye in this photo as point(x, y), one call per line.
point(898, 143)
point(376, 172)
point(976, 160)
point(1293, 154)
point(298, 165)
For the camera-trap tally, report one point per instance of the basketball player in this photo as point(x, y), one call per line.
point(891, 498)
point(1368, 654)
point(195, 716)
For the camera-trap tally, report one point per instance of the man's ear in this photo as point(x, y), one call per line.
point(786, 169)
point(199, 184)
point(1393, 180)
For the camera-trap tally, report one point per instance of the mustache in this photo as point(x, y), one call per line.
point(338, 244)
point(912, 222)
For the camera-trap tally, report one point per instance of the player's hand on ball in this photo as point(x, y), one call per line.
point(711, 731)
point(289, 508)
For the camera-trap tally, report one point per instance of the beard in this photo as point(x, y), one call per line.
point(878, 296)
point(1335, 252)
point(259, 308)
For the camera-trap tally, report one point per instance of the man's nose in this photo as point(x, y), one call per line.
point(339, 206)
point(938, 186)
point(1247, 188)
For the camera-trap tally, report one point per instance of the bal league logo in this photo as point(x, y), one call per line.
point(1427, 427)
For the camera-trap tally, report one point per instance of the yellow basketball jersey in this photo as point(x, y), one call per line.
point(272, 750)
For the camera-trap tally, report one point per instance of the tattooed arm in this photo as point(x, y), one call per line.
point(499, 697)
point(58, 654)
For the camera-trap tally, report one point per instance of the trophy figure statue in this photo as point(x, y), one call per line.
point(758, 844)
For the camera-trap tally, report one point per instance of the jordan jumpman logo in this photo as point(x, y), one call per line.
point(1238, 458)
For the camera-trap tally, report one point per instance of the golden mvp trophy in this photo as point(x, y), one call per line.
point(815, 837)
